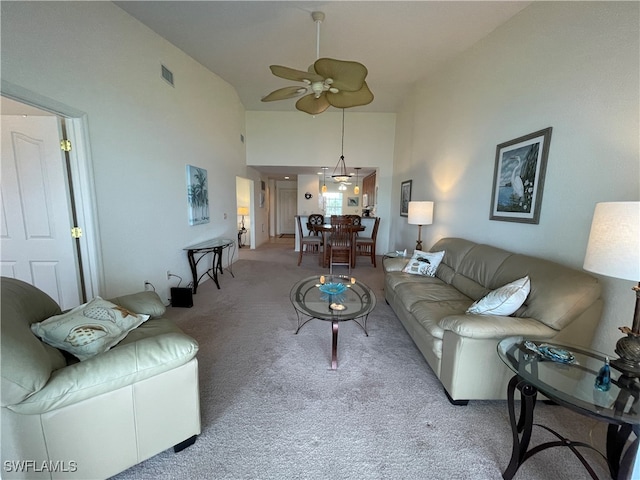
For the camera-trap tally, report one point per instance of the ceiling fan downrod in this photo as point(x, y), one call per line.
point(318, 17)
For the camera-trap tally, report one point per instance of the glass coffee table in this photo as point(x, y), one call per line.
point(333, 298)
point(567, 375)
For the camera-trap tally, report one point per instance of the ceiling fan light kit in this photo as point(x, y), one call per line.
point(328, 82)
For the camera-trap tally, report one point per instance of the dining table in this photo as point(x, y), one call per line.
point(325, 229)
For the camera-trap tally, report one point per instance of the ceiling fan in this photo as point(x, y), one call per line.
point(328, 82)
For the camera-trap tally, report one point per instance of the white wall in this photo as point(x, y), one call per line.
point(94, 57)
point(572, 66)
point(298, 139)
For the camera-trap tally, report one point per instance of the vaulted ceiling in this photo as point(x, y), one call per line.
point(399, 42)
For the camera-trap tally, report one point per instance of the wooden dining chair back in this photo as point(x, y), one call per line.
point(340, 245)
point(309, 244)
point(341, 219)
point(366, 246)
point(355, 219)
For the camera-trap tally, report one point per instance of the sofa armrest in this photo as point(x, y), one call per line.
point(108, 371)
point(495, 326)
point(146, 303)
point(393, 264)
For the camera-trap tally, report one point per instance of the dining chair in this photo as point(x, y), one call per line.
point(355, 219)
point(340, 245)
point(342, 219)
point(316, 219)
point(311, 242)
point(366, 246)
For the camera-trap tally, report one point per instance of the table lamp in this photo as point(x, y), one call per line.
point(614, 250)
point(243, 211)
point(420, 213)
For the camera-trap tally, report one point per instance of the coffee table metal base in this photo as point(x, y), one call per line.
point(334, 336)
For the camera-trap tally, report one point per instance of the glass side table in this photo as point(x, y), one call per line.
point(571, 385)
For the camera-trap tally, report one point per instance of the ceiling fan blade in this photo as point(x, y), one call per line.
point(293, 74)
point(344, 99)
point(284, 93)
point(347, 76)
point(312, 105)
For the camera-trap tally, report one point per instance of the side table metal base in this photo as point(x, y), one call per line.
point(522, 428)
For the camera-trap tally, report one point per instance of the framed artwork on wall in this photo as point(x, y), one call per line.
point(518, 179)
point(197, 195)
point(405, 197)
point(353, 201)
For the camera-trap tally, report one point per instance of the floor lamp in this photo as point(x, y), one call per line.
point(614, 250)
point(420, 213)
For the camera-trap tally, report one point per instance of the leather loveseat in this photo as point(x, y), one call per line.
point(563, 306)
point(64, 418)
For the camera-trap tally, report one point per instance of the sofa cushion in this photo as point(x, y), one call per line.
point(88, 329)
point(455, 249)
point(504, 300)
point(27, 362)
point(429, 314)
point(558, 293)
point(410, 293)
point(424, 263)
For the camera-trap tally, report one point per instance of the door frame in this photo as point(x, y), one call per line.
point(82, 176)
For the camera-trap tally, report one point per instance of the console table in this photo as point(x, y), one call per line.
point(572, 386)
point(214, 246)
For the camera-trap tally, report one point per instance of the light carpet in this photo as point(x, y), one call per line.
point(272, 409)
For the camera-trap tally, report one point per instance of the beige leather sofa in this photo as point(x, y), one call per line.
point(92, 419)
point(564, 306)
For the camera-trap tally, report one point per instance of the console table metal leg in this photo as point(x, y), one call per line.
point(194, 270)
point(334, 346)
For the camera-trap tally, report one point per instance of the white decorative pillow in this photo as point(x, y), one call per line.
point(504, 300)
point(424, 263)
point(88, 329)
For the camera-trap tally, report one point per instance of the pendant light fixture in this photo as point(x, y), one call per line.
point(340, 172)
point(324, 180)
point(356, 189)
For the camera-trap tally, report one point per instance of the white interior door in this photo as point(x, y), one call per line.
point(35, 238)
point(287, 210)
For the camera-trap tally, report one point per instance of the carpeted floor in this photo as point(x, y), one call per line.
point(272, 409)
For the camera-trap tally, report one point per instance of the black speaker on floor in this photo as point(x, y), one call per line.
point(181, 297)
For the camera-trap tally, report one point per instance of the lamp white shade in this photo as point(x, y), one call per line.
point(420, 213)
point(614, 242)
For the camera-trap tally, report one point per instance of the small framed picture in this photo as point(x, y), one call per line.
point(405, 197)
point(353, 201)
point(518, 178)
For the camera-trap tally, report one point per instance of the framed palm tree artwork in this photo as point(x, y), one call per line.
point(518, 178)
point(197, 195)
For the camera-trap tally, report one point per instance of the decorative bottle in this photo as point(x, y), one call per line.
point(603, 380)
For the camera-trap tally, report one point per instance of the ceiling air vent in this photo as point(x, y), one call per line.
point(167, 75)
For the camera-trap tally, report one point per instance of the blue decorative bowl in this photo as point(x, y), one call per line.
point(556, 354)
point(333, 288)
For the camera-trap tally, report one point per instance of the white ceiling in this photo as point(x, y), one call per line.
point(398, 41)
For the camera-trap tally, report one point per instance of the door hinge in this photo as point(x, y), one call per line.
point(76, 232)
point(65, 145)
